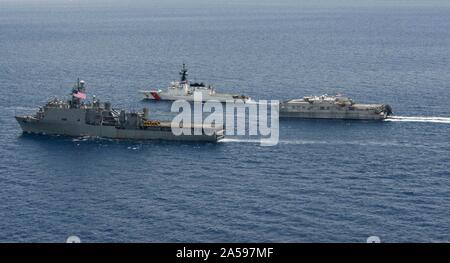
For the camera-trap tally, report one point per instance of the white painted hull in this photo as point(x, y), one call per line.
point(165, 96)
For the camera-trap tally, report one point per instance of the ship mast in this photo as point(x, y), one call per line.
point(183, 81)
point(183, 74)
point(78, 93)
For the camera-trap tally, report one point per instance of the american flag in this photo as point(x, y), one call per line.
point(80, 95)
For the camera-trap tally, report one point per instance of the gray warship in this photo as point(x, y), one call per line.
point(333, 107)
point(76, 118)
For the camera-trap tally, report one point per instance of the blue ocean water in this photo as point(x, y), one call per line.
point(326, 181)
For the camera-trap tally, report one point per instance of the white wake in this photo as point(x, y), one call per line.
point(240, 140)
point(419, 119)
point(317, 142)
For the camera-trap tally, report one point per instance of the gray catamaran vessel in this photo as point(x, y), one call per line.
point(76, 118)
point(333, 107)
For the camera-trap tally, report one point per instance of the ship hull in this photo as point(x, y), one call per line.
point(333, 115)
point(30, 125)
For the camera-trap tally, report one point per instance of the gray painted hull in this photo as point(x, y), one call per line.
point(345, 115)
point(31, 125)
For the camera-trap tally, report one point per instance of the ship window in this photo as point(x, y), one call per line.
point(322, 108)
point(64, 119)
point(328, 108)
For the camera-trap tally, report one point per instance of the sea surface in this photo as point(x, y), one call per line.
point(326, 181)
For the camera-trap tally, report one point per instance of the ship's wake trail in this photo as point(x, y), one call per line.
point(419, 119)
point(240, 140)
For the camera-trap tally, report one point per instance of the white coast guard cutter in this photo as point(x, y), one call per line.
point(184, 90)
